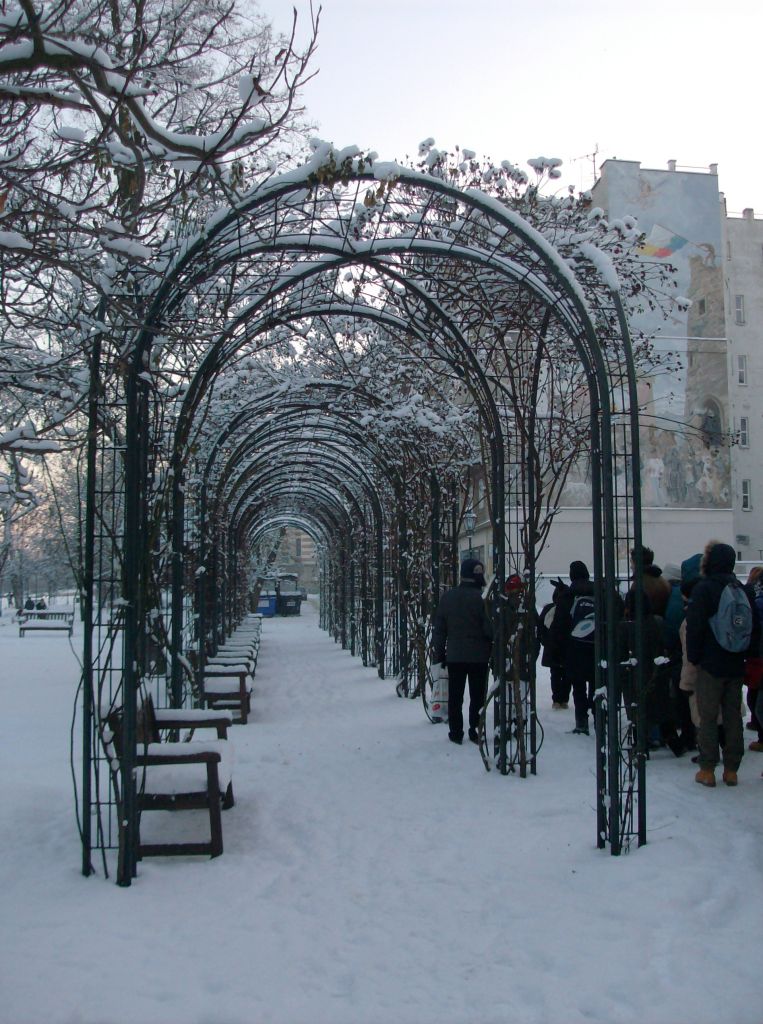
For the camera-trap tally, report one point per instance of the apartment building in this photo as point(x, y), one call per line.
point(743, 292)
point(702, 422)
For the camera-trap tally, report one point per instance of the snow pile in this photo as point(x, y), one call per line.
point(373, 872)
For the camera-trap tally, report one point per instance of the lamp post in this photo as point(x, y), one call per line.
point(470, 521)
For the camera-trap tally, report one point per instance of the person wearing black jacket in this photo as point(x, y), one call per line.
point(462, 639)
point(576, 654)
point(560, 686)
point(719, 676)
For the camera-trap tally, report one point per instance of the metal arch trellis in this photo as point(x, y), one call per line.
point(274, 433)
point(317, 390)
point(515, 253)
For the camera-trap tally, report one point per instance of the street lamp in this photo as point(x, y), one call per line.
point(470, 521)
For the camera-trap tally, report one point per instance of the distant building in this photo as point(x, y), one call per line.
point(702, 425)
point(743, 291)
point(297, 553)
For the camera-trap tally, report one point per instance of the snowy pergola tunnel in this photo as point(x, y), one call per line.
point(338, 352)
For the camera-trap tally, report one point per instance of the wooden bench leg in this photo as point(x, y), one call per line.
point(215, 811)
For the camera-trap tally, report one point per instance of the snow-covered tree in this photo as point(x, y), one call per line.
point(122, 126)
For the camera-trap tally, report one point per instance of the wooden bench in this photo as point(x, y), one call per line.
point(177, 776)
point(224, 686)
point(34, 621)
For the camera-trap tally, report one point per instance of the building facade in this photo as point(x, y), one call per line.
point(743, 292)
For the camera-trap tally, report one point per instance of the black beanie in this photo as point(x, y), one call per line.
point(467, 569)
point(579, 571)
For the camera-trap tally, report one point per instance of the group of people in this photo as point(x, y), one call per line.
point(698, 637)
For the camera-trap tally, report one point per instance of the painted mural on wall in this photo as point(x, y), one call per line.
point(684, 452)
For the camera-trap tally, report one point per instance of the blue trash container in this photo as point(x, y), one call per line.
point(266, 606)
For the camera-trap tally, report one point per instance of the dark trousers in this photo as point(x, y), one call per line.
point(458, 673)
point(560, 685)
point(752, 697)
point(579, 673)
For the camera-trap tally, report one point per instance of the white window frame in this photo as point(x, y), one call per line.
point(742, 370)
point(744, 431)
point(747, 495)
point(739, 309)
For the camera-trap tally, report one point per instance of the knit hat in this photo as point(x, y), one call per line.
point(671, 572)
point(579, 571)
point(514, 584)
point(467, 569)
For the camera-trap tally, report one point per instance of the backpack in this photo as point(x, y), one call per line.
point(583, 613)
point(545, 619)
point(732, 623)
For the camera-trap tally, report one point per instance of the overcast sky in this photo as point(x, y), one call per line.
point(647, 80)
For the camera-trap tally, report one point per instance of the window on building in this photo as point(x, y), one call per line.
point(741, 369)
point(298, 547)
point(744, 431)
point(728, 250)
point(747, 495)
point(702, 307)
point(739, 309)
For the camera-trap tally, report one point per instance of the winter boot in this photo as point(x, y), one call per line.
point(581, 726)
point(730, 777)
point(474, 736)
point(705, 777)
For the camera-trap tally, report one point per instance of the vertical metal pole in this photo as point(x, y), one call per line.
point(86, 597)
point(435, 543)
point(353, 617)
point(203, 580)
point(499, 603)
point(379, 626)
point(133, 564)
point(635, 454)
point(403, 595)
point(178, 542)
point(343, 569)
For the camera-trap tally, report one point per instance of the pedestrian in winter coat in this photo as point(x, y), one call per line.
point(718, 684)
point(571, 636)
point(688, 680)
point(654, 584)
point(672, 620)
point(753, 670)
point(551, 659)
point(659, 708)
point(462, 639)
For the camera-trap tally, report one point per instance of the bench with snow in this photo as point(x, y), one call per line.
point(226, 687)
point(178, 776)
point(57, 621)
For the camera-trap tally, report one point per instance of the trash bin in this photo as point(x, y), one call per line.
point(288, 604)
point(266, 605)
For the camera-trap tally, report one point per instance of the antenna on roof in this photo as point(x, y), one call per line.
point(588, 156)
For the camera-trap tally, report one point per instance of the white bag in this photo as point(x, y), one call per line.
point(438, 702)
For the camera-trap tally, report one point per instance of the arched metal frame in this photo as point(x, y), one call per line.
point(499, 246)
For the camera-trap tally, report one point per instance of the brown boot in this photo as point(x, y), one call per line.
point(705, 777)
point(730, 778)
point(756, 745)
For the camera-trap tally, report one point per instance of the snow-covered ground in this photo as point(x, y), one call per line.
point(373, 872)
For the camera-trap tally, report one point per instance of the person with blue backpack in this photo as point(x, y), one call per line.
point(722, 627)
